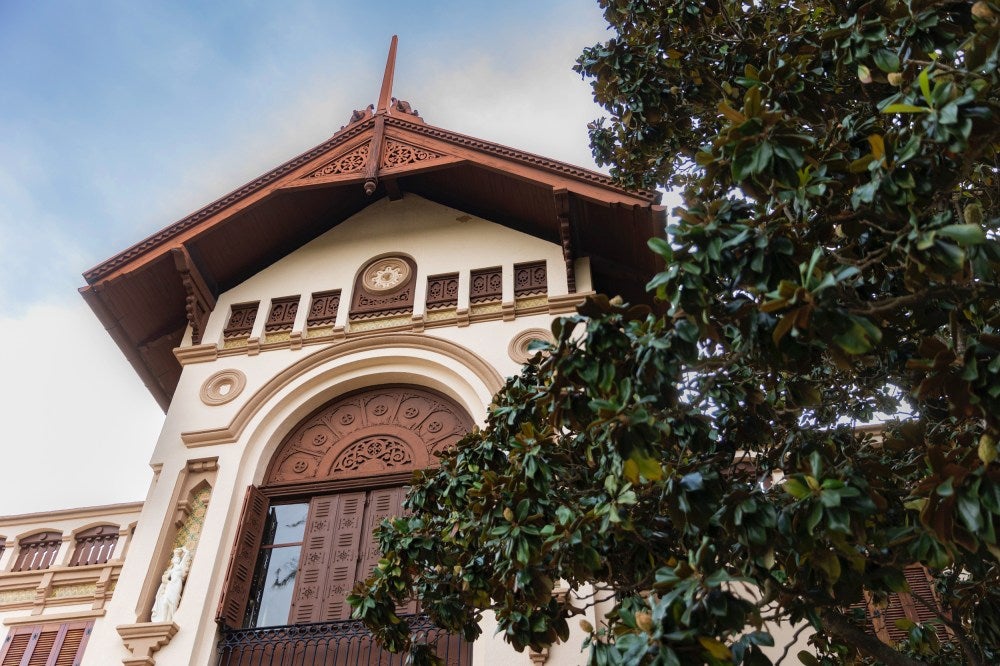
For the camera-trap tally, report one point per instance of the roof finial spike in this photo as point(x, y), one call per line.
point(385, 96)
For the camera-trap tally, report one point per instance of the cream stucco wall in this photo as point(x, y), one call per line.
point(232, 443)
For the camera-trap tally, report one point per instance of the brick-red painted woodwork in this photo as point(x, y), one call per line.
point(323, 311)
point(94, 546)
point(530, 279)
point(442, 291)
point(46, 644)
point(241, 319)
point(486, 285)
point(368, 433)
point(37, 551)
point(281, 316)
point(239, 576)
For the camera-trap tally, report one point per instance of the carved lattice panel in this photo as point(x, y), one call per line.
point(323, 311)
point(241, 320)
point(353, 161)
point(397, 154)
point(281, 316)
point(442, 291)
point(486, 285)
point(376, 431)
point(530, 279)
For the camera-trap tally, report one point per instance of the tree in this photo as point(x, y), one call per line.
point(835, 259)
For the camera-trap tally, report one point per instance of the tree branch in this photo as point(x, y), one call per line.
point(851, 634)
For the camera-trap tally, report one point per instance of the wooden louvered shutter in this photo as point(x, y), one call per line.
point(382, 504)
point(316, 546)
point(70, 652)
point(344, 557)
point(15, 646)
point(903, 606)
point(239, 575)
point(46, 645)
point(922, 585)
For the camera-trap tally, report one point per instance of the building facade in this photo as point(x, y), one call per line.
point(313, 337)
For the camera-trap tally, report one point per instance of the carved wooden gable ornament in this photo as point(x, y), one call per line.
point(383, 430)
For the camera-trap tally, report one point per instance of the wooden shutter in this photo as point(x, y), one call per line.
point(903, 606)
point(15, 646)
point(344, 557)
point(46, 645)
point(316, 546)
point(382, 504)
point(239, 575)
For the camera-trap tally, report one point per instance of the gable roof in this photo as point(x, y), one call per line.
point(145, 294)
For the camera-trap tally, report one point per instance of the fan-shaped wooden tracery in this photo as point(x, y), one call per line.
point(376, 431)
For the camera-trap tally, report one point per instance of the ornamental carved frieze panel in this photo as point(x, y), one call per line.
point(353, 161)
point(384, 287)
point(486, 285)
point(397, 153)
point(323, 310)
point(241, 320)
point(281, 316)
point(530, 279)
point(377, 431)
point(442, 291)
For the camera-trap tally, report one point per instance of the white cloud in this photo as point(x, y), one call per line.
point(78, 426)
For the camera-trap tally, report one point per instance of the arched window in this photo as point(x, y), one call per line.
point(37, 551)
point(94, 545)
point(305, 535)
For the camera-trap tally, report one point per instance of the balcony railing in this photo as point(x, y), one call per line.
point(331, 644)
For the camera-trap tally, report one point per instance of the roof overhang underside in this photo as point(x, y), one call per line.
point(142, 294)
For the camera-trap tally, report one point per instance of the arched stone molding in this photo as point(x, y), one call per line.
point(407, 355)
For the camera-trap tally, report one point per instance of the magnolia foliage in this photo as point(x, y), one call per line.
point(701, 466)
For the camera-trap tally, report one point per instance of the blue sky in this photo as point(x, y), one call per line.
point(117, 118)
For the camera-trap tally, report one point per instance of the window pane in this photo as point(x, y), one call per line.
point(287, 523)
point(274, 583)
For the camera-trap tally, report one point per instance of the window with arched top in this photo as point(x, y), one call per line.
point(94, 545)
point(305, 535)
point(37, 551)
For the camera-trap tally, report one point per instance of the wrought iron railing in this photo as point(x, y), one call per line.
point(331, 644)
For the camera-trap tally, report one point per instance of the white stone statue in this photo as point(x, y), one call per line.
point(168, 596)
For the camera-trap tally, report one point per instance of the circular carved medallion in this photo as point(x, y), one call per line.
point(518, 347)
point(386, 275)
point(222, 387)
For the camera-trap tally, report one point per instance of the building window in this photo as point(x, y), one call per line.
point(306, 536)
point(530, 279)
point(486, 285)
point(46, 644)
point(3, 545)
point(241, 319)
point(94, 546)
point(312, 554)
point(37, 551)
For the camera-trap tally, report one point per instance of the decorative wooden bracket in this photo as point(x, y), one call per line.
point(561, 199)
point(200, 296)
